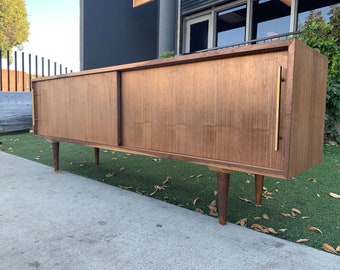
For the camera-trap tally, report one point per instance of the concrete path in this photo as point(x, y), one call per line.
point(62, 221)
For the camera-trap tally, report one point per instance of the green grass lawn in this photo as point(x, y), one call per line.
point(301, 208)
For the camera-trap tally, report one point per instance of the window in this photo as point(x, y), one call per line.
point(231, 26)
point(270, 18)
point(242, 20)
point(198, 34)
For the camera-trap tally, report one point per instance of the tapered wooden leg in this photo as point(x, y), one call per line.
point(222, 188)
point(259, 180)
point(55, 149)
point(96, 156)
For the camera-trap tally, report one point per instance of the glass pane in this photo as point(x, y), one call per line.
point(270, 18)
point(305, 6)
point(303, 15)
point(231, 26)
point(199, 36)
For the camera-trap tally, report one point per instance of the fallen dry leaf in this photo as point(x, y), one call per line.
point(302, 240)
point(245, 200)
point(265, 216)
point(305, 217)
point(328, 248)
point(213, 214)
point(199, 210)
point(200, 175)
point(264, 230)
point(242, 222)
point(266, 196)
point(334, 195)
point(283, 230)
point(195, 201)
point(166, 180)
point(287, 215)
point(212, 206)
point(314, 229)
point(157, 188)
point(110, 174)
point(122, 169)
point(260, 228)
point(257, 218)
point(130, 187)
point(338, 249)
point(312, 180)
point(257, 227)
point(271, 230)
point(295, 210)
point(247, 182)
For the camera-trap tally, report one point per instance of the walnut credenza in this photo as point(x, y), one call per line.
point(257, 108)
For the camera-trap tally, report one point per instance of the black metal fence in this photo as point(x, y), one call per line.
point(17, 70)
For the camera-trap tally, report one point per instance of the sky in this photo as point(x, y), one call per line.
point(54, 31)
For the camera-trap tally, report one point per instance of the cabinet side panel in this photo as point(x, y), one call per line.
point(308, 108)
point(79, 108)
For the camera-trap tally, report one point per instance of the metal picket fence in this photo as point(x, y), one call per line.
point(17, 69)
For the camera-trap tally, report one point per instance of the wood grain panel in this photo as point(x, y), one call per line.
point(222, 109)
point(80, 108)
point(308, 103)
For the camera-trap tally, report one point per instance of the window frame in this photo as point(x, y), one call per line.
point(211, 16)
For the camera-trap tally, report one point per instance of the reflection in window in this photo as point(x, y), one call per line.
point(303, 15)
point(270, 18)
point(231, 26)
point(305, 7)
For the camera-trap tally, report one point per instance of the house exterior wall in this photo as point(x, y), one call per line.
point(113, 33)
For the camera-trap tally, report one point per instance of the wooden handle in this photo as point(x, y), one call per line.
point(277, 114)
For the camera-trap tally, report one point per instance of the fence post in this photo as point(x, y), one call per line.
point(15, 72)
point(0, 70)
point(8, 73)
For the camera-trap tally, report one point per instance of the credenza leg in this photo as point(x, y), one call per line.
point(55, 149)
point(96, 155)
point(222, 188)
point(259, 180)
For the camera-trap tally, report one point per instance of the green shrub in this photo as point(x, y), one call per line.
point(318, 34)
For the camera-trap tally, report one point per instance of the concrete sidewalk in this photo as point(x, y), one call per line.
point(62, 221)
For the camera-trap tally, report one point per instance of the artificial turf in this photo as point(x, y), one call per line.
point(300, 209)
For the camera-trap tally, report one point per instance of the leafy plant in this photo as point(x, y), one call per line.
point(167, 54)
point(319, 35)
point(14, 26)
